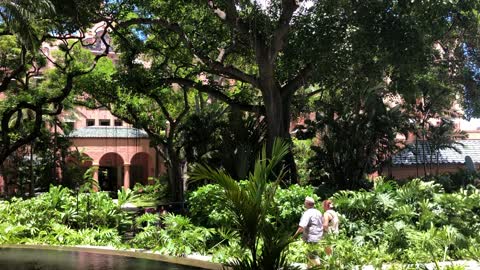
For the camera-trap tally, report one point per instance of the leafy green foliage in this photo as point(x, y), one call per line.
point(408, 224)
point(411, 224)
point(255, 214)
point(233, 143)
point(207, 206)
point(22, 19)
point(416, 222)
point(177, 237)
point(228, 247)
point(35, 166)
point(290, 203)
point(30, 96)
point(150, 194)
point(303, 153)
point(455, 181)
point(342, 159)
point(60, 217)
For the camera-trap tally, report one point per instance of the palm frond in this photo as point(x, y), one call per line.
point(20, 18)
point(252, 204)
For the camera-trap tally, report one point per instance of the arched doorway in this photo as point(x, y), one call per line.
point(110, 172)
point(139, 169)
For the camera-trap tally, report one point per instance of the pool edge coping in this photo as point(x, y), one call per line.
point(142, 254)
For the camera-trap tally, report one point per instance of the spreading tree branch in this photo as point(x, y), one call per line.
point(214, 66)
point(38, 105)
point(215, 92)
point(293, 85)
point(21, 68)
point(230, 16)
point(283, 27)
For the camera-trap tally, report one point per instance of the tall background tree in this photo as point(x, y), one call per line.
point(30, 96)
point(180, 128)
point(282, 51)
point(274, 49)
point(357, 134)
point(131, 94)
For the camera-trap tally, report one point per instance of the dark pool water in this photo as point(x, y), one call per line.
point(32, 259)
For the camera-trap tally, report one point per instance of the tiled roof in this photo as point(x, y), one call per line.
point(445, 156)
point(108, 132)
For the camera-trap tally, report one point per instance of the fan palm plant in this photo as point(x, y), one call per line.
point(255, 213)
point(19, 17)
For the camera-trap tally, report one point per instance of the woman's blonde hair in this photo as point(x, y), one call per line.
point(327, 204)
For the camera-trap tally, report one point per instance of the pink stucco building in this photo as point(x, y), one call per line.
point(121, 152)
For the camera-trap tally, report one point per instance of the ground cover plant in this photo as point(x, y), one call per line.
point(66, 217)
point(417, 222)
point(148, 195)
point(414, 223)
point(398, 225)
point(62, 217)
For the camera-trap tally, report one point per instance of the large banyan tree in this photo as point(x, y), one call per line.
point(280, 50)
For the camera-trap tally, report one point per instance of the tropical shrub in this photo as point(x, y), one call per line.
point(302, 152)
point(60, 217)
point(388, 225)
point(455, 181)
point(256, 215)
point(228, 247)
point(416, 222)
point(150, 194)
point(233, 141)
point(401, 225)
point(207, 207)
point(290, 202)
point(178, 237)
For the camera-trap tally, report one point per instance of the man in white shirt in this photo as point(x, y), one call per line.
point(311, 227)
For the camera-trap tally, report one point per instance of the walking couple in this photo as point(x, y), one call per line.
point(313, 226)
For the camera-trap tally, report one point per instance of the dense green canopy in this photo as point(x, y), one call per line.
point(28, 99)
point(271, 58)
point(287, 50)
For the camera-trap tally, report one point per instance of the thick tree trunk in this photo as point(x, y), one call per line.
point(277, 110)
point(5, 179)
point(416, 155)
point(175, 176)
point(32, 180)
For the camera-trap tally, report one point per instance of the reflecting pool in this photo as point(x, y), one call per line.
point(39, 259)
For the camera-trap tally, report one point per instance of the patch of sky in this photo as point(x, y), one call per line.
point(140, 34)
point(471, 65)
point(471, 54)
point(304, 4)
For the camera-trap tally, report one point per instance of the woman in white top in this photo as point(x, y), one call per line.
point(330, 222)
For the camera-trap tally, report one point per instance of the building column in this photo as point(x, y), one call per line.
point(126, 178)
point(2, 185)
point(95, 176)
